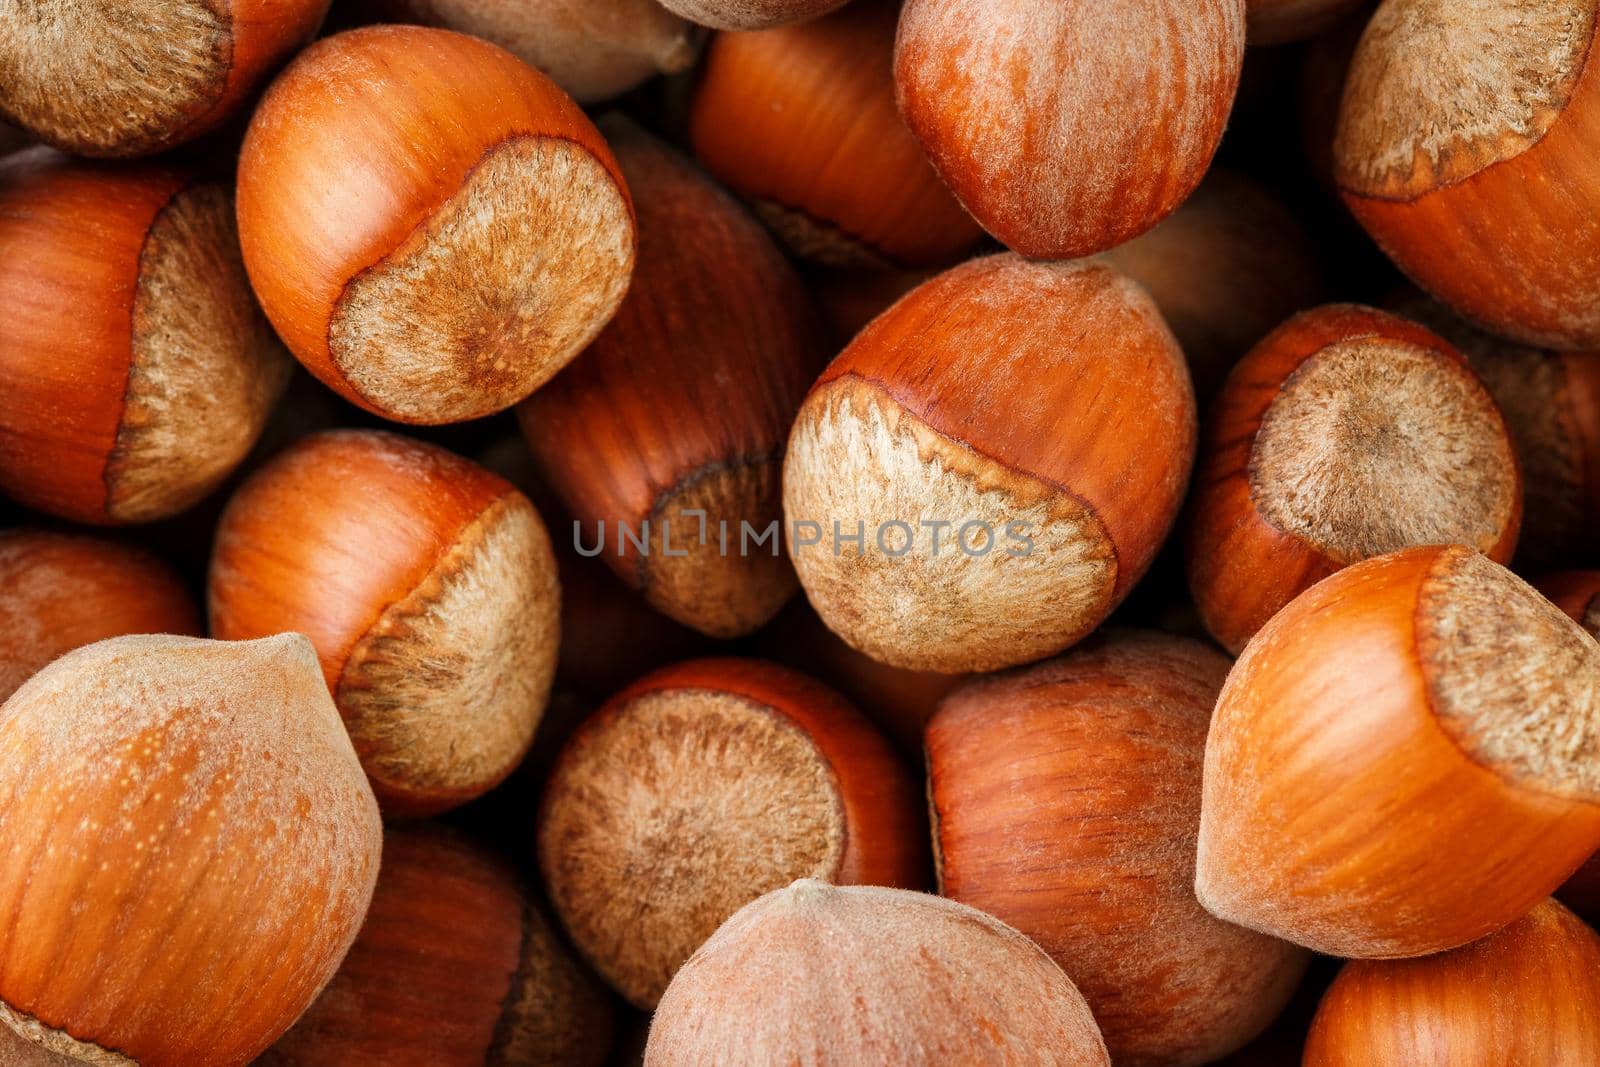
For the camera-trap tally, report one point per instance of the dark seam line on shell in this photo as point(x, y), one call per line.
point(831, 227)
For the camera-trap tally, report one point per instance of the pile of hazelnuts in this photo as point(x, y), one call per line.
point(418, 418)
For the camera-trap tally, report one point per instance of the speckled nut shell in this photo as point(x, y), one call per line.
point(1465, 147)
point(1068, 126)
point(1525, 995)
point(433, 226)
point(1046, 400)
point(701, 787)
point(188, 850)
point(455, 967)
point(136, 77)
point(1405, 759)
point(61, 591)
point(1065, 801)
point(871, 976)
point(135, 369)
point(1345, 434)
point(427, 586)
point(671, 427)
point(801, 121)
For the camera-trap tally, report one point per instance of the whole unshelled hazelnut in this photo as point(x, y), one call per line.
point(135, 369)
point(188, 850)
point(1225, 269)
point(670, 428)
point(801, 121)
point(1065, 801)
point(61, 591)
point(1069, 126)
point(428, 588)
point(594, 49)
point(432, 225)
point(749, 14)
point(1465, 148)
point(1551, 402)
point(983, 474)
point(701, 787)
point(1403, 760)
point(1345, 434)
point(870, 975)
point(1527, 995)
point(454, 967)
point(137, 77)
point(1280, 21)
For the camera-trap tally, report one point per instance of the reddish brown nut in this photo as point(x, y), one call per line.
point(1225, 269)
point(188, 849)
point(871, 976)
point(1551, 402)
point(136, 77)
point(701, 787)
point(1346, 434)
point(455, 967)
point(1525, 995)
point(670, 429)
point(1065, 802)
point(801, 121)
point(1041, 414)
point(1279, 21)
point(749, 14)
point(1068, 126)
point(429, 589)
point(433, 226)
point(594, 49)
point(60, 591)
point(1402, 760)
point(1465, 147)
point(135, 368)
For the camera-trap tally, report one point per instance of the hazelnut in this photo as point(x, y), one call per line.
point(1465, 148)
point(1578, 594)
point(701, 787)
point(1065, 802)
point(984, 473)
point(870, 975)
point(1525, 995)
point(454, 967)
point(139, 76)
point(1345, 434)
point(61, 591)
point(670, 429)
point(1225, 269)
point(432, 225)
point(1551, 402)
point(801, 121)
point(1403, 760)
point(1280, 21)
point(593, 49)
point(749, 14)
point(135, 368)
point(1069, 126)
point(188, 850)
point(428, 588)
